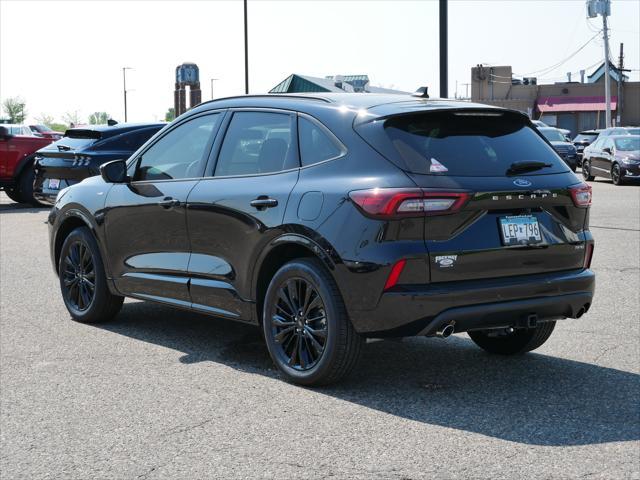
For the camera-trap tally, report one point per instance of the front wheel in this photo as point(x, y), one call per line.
point(616, 174)
point(13, 194)
point(513, 341)
point(586, 171)
point(306, 327)
point(83, 282)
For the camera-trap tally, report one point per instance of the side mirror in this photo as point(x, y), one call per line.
point(4, 134)
point(606, 150)
point(114, 171)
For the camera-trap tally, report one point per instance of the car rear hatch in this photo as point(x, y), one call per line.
point(68, 158)
point(514, 208)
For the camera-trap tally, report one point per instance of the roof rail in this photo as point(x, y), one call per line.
point(270, 95)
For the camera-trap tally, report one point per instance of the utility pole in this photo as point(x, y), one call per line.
point(621, 71)
point(595, 8)
point(124, 83)
point(444, 73)
point(246, 52)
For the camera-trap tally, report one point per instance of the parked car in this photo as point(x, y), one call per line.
point(607, 132)
point(17, 149)
point(584, 139)
point(329, 218)
point(541, 124)
point(616, 157)
point(18, 129)
point(80, 153)
point(46, 132)
point(564, 147)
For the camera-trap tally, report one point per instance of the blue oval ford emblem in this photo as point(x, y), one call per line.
point(521, 182)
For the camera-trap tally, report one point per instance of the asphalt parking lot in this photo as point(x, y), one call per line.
point(161, 393)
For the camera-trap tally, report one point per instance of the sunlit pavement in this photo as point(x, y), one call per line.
point(161, 393)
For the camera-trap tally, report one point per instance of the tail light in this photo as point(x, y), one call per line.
point(588, 255)
point(581, 195)
point(388, 203)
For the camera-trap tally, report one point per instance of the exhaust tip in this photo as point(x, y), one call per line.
point(582, 310)
point(445, 331)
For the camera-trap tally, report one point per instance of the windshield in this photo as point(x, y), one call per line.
point(585, 137)
point(628, 144)
point(633, 131)
point(553, 135)
point(460, 143)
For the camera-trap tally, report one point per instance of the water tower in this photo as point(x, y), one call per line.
point(187, 75)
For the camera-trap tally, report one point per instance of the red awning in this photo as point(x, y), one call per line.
point(574, 104)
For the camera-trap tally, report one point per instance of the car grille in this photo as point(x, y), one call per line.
point(564, 151)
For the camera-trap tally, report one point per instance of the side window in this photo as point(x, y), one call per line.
point(180, 153)
point(129, 141)
point(257, 142)
point(315, 144)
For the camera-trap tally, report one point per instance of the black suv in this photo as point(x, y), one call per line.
point(329, 218)
point(80, 153)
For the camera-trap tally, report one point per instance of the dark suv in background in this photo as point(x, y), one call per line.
point(565, 148)
point(329, 218)
point(80, 153)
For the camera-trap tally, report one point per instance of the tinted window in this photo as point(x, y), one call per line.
point(553, 135)
point(585, 137)
point(315, 143)
point(129, 141)
point(461, 143)
point(257, 142)
point(180, 153)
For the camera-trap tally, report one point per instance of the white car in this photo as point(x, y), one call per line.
point(541, 124)
point(16, 129)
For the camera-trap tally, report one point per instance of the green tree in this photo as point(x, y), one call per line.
point(170, 116)
point(14, 107)
point(58, 127)
point(98, 118)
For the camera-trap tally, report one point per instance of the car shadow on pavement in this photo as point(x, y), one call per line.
point(13, 207)
point(532, 399)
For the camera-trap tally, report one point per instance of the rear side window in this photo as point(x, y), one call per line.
point(462, 143)
point(257, 142)
point(315, 143)
point(129, 141)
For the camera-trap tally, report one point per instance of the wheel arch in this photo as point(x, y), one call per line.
point(23, 164)
point(281, 250)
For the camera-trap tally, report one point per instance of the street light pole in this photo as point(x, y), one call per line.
point(246, 52)
point(444, 73)
point(124, 84)
point(212, 80)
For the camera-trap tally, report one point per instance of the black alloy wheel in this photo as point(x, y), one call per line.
point(586, 171)
point(83, 281)
point(79, 276)
point(616, 174)
point(299, 325)
point(306, 326)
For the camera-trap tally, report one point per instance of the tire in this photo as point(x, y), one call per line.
point(13, 194)
point(80, 267)
point(320, 346)
point(586, 171)
point(616, 175)
point(519, 341)
point(25, 186)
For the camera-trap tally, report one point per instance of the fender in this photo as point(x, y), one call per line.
point(22, 164)
point(90, 223)
point(319, 247)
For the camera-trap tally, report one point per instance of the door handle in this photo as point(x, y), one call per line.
point(263, 202)
point(169, 202)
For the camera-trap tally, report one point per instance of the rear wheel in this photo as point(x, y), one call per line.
point(306, 327)
point(513, 341)
point(616, 174)
point(83, 281)
point(25, 186)
point(13, 194)
point(586, 171)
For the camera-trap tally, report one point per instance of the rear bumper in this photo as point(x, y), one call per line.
point(507, 302)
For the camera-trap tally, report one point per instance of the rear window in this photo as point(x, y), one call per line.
point(585, 137)
point(460, 143)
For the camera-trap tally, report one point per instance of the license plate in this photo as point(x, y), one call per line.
point(54, 183)
point(520, 230)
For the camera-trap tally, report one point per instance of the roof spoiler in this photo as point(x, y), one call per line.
point(82, 133)
point(422, 92)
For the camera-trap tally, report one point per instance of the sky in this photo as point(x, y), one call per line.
point(70, 56)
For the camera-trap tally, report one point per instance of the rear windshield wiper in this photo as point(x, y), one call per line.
point(63, 147)
point(526, 166)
